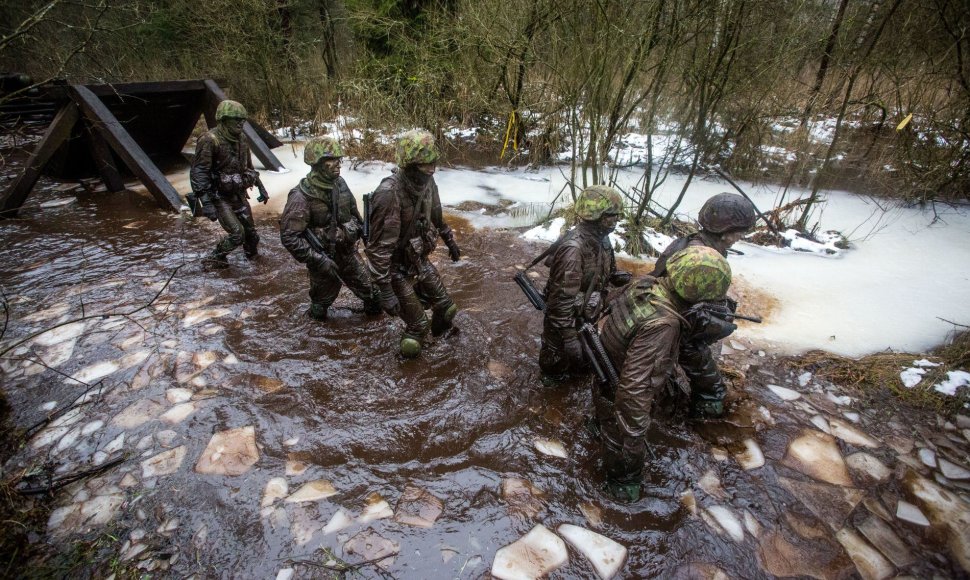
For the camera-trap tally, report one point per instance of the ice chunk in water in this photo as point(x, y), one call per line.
point(339, 521)
point(784, 393)
point(550, 447)
point(606, 556)
point(886, 541)
point(850, 434)
point(532, 556)
point(178, 413)
point(313, 491)
point(276, 488)
point(176, 396)
point(869, 466)
point(137, 414)
point(164, 463)
point(196, 316)
point(418, 507)
point(711, 485)
point(524, 499)
point(751, 457)
point(230, 452)
point(928, 457)
point(951, 470)
point(377, 508)
point(816, 454)
point(868, 561)
point(370, 546)
point(910, 513)
point(91, 427)
point(831, 504)
point(945, 510)
point(727, 521)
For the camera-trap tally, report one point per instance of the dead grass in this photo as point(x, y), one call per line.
point(877, 374)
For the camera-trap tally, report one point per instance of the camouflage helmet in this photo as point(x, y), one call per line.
point(725, 212)
point(230, 110)
point(322, 148)
point(415, 147)
point(598, 200)
point(699, 274)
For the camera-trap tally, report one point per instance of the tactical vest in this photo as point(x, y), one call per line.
point(637, 306)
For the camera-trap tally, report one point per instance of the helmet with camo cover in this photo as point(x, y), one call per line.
point(598, 200)
point(725, 212)
point(230, 110)
point(322, 148)
point(699, 274)
point(416, 147)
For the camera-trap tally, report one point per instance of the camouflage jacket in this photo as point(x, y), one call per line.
point(398, 214)
point(581, 265)
point(641, 335)
point(216, 156)
point(700, 238)
point(307, 207)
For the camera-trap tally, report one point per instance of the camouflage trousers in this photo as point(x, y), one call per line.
point(417, 289)
point(324, 286)
point(236, 218)
point(623, 455)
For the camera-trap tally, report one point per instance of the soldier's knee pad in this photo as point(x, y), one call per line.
point(410, 347)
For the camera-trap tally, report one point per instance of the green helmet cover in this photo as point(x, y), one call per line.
point(322, 148)
point(230, 110)
point(416, 147)
point(699, 274)
point(598, 200)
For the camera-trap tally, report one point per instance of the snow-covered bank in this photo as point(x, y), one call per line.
point(890, 291)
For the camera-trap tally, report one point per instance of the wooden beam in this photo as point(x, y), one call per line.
point(58, 132)
point(258, 146)
point(105, 123)
point(103, 160)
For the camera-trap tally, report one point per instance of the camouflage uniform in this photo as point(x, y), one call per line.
point(720, 215)
point(642, 335)
point(309, 206)
point(405, 224)
point(221, 172)
point(582, 266)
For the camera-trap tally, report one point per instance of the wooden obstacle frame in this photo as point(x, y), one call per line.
point(105, 130)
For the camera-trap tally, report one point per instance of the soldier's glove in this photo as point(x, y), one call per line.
point(453, 250)
point(208, 209)
point(389, 302)
point(249, 178)
point(706, 328)
point(352, 231)
point(324, 264)
point(574, 351)
point(621, 278)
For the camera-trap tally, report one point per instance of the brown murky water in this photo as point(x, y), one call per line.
point(337, 398)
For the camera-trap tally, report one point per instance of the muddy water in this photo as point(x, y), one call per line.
point(335, 402)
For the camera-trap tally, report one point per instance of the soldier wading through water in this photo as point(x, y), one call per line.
point(642, 335)
point(580, 267)
point(222, 172)
point(310, 208)
point(724, 219)
point(405, 223)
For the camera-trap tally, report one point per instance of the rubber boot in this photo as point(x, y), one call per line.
point(318, 311)
point(623, 492)
point(410, 347)
point(441, 320)
point(216, 260)
point(251, 253)
point(701, 408)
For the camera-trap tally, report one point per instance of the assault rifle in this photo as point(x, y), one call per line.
point(315, 244)
point(722, 312)
point(596, 354)
point(531, 292)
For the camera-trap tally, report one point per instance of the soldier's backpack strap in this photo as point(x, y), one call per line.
point(660, 269)
point(548, 251)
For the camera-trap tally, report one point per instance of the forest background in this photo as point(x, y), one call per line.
point(872, 95)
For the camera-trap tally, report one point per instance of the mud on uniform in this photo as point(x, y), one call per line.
point(221, 173)
point(405, 223)
point(583, 264)
point(642, 336)
point(309, 206)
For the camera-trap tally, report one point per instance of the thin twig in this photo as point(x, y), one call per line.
point(60, 482)
point(96, 316)
point(953, 323)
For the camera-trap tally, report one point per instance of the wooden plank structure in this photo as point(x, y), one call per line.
point(105, 130)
